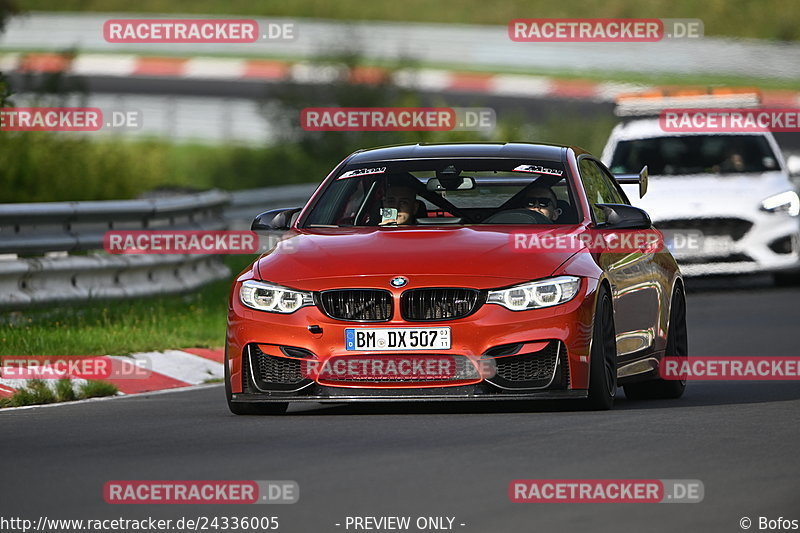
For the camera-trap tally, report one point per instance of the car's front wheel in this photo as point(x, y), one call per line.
point(603, 355)
point(677, 346)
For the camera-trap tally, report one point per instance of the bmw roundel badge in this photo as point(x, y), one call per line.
point(398, 282)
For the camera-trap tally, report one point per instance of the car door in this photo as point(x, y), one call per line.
point(635, 294)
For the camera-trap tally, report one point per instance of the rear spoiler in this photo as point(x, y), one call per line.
point(633, 179)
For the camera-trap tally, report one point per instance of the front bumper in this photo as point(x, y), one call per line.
point(770, 243)
point(475, 337)
point(323, 394)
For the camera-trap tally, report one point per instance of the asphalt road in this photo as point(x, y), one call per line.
point(739, 438)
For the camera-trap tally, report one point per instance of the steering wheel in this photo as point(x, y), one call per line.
point(518, 216)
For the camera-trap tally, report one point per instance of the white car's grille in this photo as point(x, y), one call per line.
point(736, 228)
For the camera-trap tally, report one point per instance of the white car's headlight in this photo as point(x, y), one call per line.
point(785, 202)
point(273, 298)
point(536, 294)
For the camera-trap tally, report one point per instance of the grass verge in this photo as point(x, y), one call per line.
point(46, 167)
point(38, 392)
point(123, 326)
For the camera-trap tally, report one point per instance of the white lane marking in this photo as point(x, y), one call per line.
point(214, 68)
point(104, 65)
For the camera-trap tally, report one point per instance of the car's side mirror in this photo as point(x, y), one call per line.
point(623, 216)
point(276, 219)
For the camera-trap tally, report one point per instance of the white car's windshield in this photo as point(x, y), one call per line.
point(695, 154)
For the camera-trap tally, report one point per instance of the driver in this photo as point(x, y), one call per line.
point(402, 198)
point(543, 200)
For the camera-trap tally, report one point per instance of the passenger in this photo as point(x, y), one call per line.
point(543, 200)
point(734, 162)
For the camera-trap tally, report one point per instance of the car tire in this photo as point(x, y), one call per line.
point(244, 409)
point(603, 356)
point(677, 346)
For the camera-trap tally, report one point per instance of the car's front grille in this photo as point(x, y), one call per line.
point(363, 305)
point(275, 373)
point(527, 370)
point(431, 304)
point(702, 260)
point(736, 228)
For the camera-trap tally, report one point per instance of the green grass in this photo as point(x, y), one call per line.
point(123, 326)
point(40, 167)
point(764, 19)
point(38, 392)
point(35, 392)
point(65, 392)
point(97, 389)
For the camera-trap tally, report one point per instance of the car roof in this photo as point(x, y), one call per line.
point(512, 150)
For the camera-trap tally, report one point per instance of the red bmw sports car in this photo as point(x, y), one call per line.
point(480, 271)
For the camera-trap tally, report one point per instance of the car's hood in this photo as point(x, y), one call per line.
point(703, 195)
point(478, 257)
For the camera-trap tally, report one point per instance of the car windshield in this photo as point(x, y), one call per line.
point(695, 154)
point(446, 192)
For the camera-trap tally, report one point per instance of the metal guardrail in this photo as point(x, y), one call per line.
point(52, 251)
point(80, 226)
point(245, 205)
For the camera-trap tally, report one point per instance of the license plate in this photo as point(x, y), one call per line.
point(718, 244)
point(397, 339)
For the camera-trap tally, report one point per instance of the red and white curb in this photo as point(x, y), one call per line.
point(170, 369)
point(435, 80)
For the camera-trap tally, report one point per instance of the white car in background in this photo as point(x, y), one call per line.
point(723, 200)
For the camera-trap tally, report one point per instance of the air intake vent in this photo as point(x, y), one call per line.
point(276, 373)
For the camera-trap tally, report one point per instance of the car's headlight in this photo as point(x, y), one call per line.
point(273, 298)
point(536, 294)
point(785, 202)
